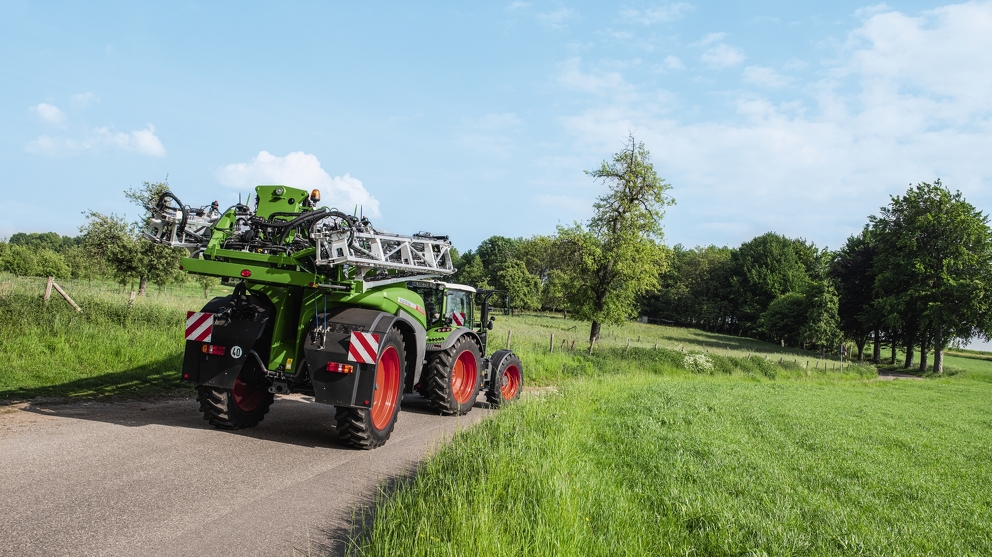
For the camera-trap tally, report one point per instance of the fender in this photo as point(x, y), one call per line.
point(240, 320)
point(495, 361)
point(356, 389)
point(454, 336)
point(416, 347)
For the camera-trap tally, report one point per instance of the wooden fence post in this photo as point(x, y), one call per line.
point(628, 348)
point(591, 344)
point(130, 299)
point(508, 335)
point(551, 348)
point(573, 346)
point(64, 295)
point(48, 288)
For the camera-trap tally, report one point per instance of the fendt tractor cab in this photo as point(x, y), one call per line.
point(326, 305)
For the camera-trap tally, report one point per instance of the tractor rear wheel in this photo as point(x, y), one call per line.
point(507, 382)
point(239, 407)
point(368, 428)
point(453, 377)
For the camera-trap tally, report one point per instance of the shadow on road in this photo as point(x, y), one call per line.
point(293, 419)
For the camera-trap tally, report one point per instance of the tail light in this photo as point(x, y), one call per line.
point(213, 349)
point(335, 367)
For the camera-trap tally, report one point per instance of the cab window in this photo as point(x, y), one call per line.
point(457, 301)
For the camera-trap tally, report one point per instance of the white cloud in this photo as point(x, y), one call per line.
point(300, 170)
point(82, 100)
point(649, 16)
point(48, 113)
point(765, 77)
point(908, 100)
point(672, 63)
point(597, 83)
point(144, 142)
point(722, 56)
point(140, 141)
point(518, 5)
point(556, 18)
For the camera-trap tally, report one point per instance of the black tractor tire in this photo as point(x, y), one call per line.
point(368, 428)
point(508, 381)
point(240, 407)
point(453, 377)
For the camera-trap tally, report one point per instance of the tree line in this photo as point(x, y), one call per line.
point(109, 247)
point(918, 277)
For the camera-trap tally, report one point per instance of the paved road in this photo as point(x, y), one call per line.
point(153, 479)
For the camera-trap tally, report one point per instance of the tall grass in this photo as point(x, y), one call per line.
point(649, 464)
point(111, 347)
point(653, 348)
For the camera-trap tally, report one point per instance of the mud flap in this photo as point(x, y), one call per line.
point(236, 333)
point(328, 339)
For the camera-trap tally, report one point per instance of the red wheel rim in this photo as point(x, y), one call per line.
point(464, 377)
point(387, 388)
point(510, 382)
point(247, 397)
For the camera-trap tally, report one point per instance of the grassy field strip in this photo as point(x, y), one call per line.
point(109, 348)
point(655, 465)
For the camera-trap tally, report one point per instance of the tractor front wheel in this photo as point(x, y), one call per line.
point(508, 380)
point(368, 428)
point(453, 377)
point(239, 407)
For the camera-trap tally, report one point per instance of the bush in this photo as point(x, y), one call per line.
point(20, 261)
point(51, 264)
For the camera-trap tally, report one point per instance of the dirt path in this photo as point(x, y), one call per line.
point(153, 479)
point(890, 375)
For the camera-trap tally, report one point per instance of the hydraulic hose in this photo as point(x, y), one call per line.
point(316, 214)
point(161, 207)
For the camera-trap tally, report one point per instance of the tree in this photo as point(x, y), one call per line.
point(821, 326)
point(617, 257)
point(852, 270)
point(472, 272)
point(785, 318)
point(695, 288)
point(934, 267)
point(207, 282)
point(82, 265)
point(120, 245)
point(523, 288)
point(495, 252)
point(803, 318)
point(110, 240)
point(43, 240)
point(764, 269)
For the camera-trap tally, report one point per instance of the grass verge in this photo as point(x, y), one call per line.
point(648, 464)
point(110, 348)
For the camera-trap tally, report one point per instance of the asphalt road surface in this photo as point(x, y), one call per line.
point(152, 478)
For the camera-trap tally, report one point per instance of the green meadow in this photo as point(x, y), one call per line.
point(634, 452)
point(662, 441)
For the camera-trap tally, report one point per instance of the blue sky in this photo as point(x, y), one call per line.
point(478, 119)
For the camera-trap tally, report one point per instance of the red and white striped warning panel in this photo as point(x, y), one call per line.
point(458, 318)
point(199, 326)
point(364, 348)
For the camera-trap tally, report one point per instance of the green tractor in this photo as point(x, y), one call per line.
point(326, 305)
